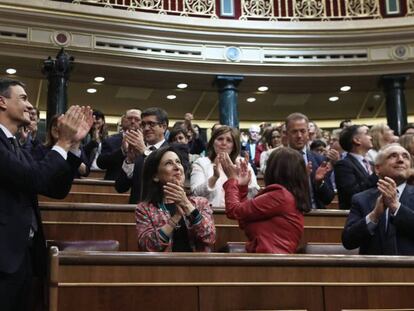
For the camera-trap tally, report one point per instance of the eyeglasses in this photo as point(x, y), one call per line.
point(151, 124)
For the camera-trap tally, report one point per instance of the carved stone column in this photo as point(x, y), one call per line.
point(57, 72)
point(228, 99)
point(393, 86)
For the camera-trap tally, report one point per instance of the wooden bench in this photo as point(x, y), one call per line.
point(96, 174)
point(90, 197)
point(203, 282)
point(66, 220)
point(93, 185)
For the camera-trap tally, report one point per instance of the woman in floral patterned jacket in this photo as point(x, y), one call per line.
point(166, 219)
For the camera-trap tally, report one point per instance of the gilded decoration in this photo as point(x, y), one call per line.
point(272, 10)
point(257, 8)
point(310, 8)
point(362, 8)
point(200, 7)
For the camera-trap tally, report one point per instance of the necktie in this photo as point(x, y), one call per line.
point(148, 150)
point(15, 147)
point(367, 166)
point(18, 152)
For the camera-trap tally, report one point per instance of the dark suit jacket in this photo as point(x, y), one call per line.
point(123, 183)
point(351, 178)
point(111, 157)
point(398, 239)
point(20, 183)
point(324, 194)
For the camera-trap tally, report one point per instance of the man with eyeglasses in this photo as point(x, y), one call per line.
point(137, 145)
point(112, 156)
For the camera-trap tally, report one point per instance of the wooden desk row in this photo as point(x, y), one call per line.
point(82, 221)
point(212, 282)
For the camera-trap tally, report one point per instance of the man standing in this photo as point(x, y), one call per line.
point(112, 156)
point(354, 173)
point(137, 145)
point(321, 191)
point(22, 244)
point(381, 219)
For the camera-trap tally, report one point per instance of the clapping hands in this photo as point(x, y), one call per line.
point(239, 171)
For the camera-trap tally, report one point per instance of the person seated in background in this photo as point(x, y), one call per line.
point(179, 135)
point(272, 138)
point(354, 173)
point(195, 142)
point(207, 176)
point(273, 221)
point(407, 141)
point(315, 132)
point(137, 145)
point(112, 156)
point(167, 219)
point(92, 144)
point(28, 135)
point(321, 189)
point(408, 129)
point(248, 147)
point(319, 147)
point(381, 135)
point(52, 136)
point(381, 219)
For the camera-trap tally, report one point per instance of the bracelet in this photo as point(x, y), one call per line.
point(173, 224)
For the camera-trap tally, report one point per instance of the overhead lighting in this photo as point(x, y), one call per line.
point(11, 71)
point(99, 79)
point(91, 91)
point(171, 96)
point(182, 85)
point(263, 88)
point(251, 99)
point(333, 98)
point(345, 88)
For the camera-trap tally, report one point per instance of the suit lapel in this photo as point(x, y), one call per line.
point(357, 165)
point(5, 141)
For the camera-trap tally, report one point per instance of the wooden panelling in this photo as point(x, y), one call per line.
point(90, 197)
point(261, 298)
point(72, 221)
point(93, 185)
point(107, 298)
point(116, 281)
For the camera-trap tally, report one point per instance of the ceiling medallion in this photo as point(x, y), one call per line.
point(61, 38)
point(400, 52)
point(232, 53)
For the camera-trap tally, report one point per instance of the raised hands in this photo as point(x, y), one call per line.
point(175, 193)
point(73, 126)
point(388, 190)
point(322, 170)
point(239, 171)
point(133, 144)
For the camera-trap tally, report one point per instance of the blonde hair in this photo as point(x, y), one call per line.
point(377, 133)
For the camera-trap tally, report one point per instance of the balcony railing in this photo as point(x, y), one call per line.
point(272, 10)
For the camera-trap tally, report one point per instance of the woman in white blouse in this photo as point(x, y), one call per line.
point(207, 176)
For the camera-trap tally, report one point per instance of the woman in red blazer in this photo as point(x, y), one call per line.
point(273, 219)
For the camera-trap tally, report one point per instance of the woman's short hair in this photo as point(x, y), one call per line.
point(235, 135)
point(175, 131)
point(268, 133)
point(286, 167)
point(152, 191)
point(377, 132)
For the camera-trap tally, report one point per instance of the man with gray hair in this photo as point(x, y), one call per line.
point(381, 219)
point(112, 156)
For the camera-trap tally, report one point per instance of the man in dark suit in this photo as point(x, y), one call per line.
point(354, 173)
point(138, 145)
point(112, 156)
point(297, 131)
point(381, 219)
point(22, 243)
